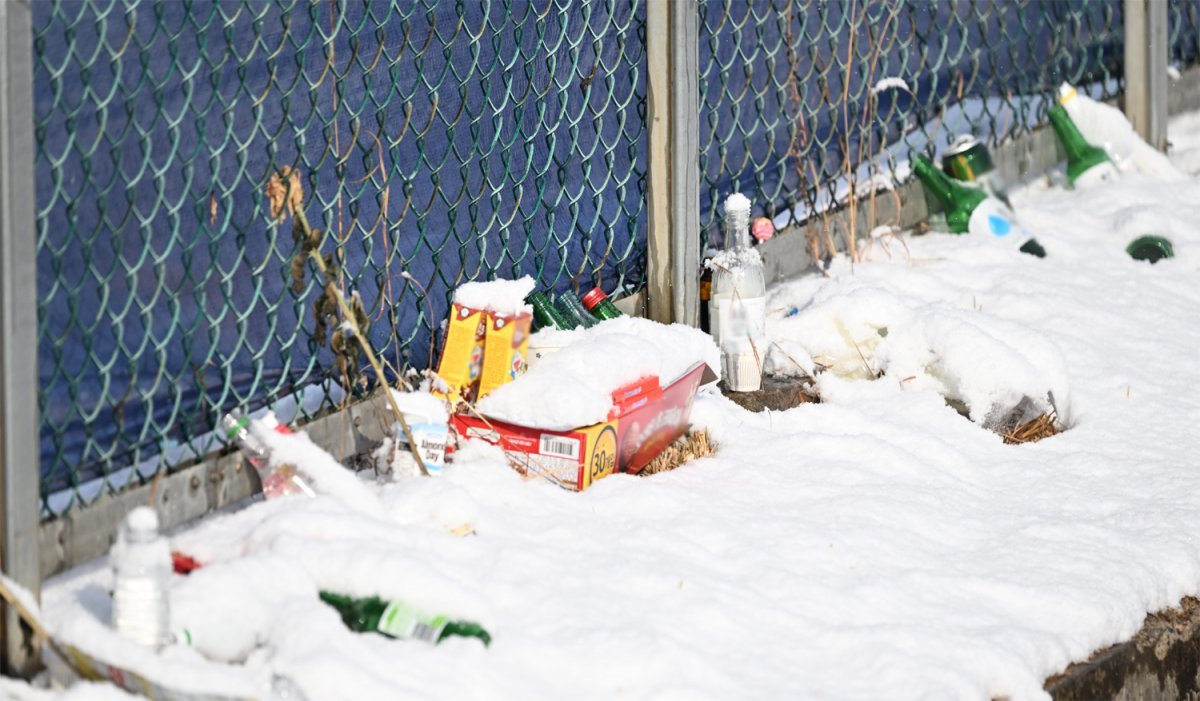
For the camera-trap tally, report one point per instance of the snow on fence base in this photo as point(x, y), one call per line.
point(645, 420)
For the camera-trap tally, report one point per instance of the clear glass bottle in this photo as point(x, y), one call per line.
point(738, 305)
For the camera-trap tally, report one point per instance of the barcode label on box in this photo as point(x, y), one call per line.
point(559, 446)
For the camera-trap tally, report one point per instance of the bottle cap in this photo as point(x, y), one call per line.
point(737, 202)
point(142, 519)
point(591, 299)
point(140, 526)
point(233, 423)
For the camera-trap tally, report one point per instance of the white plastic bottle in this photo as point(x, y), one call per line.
point(1106, 126)
point(141, 564)
point(738, 306)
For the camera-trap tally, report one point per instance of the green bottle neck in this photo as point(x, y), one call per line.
point(336, 600)
point(1074, 144)
point(465, 629)
point(954, 197)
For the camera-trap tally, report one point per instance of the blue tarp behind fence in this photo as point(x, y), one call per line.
point(442, 141)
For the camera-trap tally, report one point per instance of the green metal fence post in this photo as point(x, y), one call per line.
point(18, 329)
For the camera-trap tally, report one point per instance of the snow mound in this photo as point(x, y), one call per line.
point(499, 296)
point(859, 328)
point(327, 476)
point(574, 386)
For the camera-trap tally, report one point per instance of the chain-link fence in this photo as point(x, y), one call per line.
point(796, 96)
point(437, 142)
point(1183, 25)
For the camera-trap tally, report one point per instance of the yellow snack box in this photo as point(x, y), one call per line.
point(504, 349)
point(462, 354)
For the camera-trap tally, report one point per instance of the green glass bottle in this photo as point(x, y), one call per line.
point(396, 619)
point(572, 312)
point(971, 210)
point(544, 313)
point(1086, 164)
point(600, 305)
point(1151, 248)
point(959, 201)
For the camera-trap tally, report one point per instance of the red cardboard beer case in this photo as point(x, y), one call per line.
point(645, 418)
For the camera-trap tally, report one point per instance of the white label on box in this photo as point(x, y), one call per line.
point(559, 446)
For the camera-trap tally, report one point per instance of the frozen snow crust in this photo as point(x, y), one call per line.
point(876, 546)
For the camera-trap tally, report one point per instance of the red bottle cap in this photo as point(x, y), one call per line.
point(591, 299)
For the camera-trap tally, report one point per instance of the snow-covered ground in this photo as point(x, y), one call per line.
point(878, 545)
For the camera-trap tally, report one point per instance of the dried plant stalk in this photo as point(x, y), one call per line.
point(1043, 426)
point(695, 444)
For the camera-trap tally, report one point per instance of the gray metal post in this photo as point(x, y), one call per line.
point(673, 136)
point(685, 161)
point(18, 330)
point(1146, 47)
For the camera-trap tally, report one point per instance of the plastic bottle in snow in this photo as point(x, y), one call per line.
point(141, 564)
point(1106, 126)
point(738, 305)
point(970, 209)
point(1086, 164)
point(276, 481)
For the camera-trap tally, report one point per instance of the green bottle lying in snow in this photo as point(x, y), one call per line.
point(971, 210)
point(396, 619)
point(1086, 164)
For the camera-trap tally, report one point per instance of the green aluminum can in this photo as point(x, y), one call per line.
point(969, 161)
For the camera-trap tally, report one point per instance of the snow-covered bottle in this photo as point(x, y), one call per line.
point(738, 305)
point(1106, 126)
point(141, 564)
point(1087, 165)
point(276, 481)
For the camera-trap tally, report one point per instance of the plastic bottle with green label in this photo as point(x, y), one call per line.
point(395, 619)
point(971, 210)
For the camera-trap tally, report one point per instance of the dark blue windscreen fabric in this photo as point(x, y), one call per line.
point(436, 143)
point(786, 101)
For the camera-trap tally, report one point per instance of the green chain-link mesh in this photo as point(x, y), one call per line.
point(788, 110)
point(435, 143)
